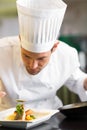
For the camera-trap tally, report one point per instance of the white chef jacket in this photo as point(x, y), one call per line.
point(39, 90)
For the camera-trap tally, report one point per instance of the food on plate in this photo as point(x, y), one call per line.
point(21, 114)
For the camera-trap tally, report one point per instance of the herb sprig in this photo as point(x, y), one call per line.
point(20, 109)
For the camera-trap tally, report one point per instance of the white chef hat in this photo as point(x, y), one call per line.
point(39, 23)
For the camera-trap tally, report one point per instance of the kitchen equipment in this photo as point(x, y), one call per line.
point(75, 110)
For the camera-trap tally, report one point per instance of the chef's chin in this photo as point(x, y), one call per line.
point(32, 72)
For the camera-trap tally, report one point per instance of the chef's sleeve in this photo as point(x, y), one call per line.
point(75, 84)
point(76, 78)
point(4, 101)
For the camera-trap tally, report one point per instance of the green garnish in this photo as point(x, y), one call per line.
point(20, 109)
point(32, 116)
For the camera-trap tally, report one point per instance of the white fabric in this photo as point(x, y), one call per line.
point(39, 23)
point(40, 90)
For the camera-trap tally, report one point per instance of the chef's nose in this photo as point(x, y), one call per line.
point(33, 64)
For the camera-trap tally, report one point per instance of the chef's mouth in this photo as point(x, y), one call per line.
point(33, 71)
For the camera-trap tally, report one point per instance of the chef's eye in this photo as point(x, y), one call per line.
point(42, 58)
point(26, 56)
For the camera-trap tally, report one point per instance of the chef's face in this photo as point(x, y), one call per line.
point(35, 62)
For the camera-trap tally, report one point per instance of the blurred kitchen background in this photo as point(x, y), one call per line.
point(73, 32)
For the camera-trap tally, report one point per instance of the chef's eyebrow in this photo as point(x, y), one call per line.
point(31, 57)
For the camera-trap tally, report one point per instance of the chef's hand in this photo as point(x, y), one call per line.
point(2, 94)
point(85, 84)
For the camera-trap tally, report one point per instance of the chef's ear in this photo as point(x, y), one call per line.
point(19, 37)
point(54, 46)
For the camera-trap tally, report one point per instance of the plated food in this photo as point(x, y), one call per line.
point(35, 117)
point(25, 114)
point(25, 117)
point(21, 114)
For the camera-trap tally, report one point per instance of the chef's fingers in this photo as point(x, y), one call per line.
point(2, 94)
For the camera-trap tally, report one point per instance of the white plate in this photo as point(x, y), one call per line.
point(25, 124)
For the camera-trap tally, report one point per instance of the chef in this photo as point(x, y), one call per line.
point(34, 65)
